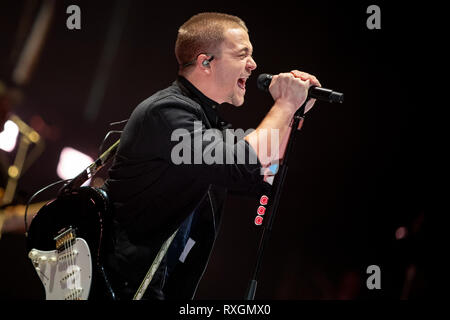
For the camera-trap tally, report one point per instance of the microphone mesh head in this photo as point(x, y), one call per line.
point(263, 81)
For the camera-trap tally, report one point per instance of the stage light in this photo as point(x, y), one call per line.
point(401, 233)
point(71, 163)
point(8, 137)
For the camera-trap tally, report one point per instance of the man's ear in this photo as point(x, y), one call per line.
point(204, 60)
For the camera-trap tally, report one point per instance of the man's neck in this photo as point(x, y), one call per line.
point(203, 84)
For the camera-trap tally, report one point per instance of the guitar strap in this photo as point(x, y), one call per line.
point(151, 271)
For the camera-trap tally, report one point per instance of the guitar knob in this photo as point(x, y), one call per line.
point(42, 258)
point(52, 259)
point(32, 254)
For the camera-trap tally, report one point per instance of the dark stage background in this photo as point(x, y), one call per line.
point(355, 175)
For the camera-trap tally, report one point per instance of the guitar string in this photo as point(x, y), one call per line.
point(67, 263)
point(72, 262)
point(78, 287)
point(74, 270)
point(70, 265)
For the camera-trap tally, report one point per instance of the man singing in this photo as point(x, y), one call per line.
point(153, 196)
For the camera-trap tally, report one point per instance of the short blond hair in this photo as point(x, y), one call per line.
point(202, 33)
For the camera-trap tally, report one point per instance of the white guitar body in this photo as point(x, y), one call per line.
point(65, 273)
point(68, 241)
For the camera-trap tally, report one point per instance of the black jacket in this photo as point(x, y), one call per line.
point(152, 196)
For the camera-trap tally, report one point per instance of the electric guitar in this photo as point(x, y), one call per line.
point(66, 244)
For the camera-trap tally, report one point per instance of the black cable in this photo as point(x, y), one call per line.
point(34, 195)
point(118, 122)
point(104, 140)
point(109, 133)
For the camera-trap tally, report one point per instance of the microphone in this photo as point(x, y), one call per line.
point(318, 93)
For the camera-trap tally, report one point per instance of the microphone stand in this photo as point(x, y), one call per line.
point(275, 193)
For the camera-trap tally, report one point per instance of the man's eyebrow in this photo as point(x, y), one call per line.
point(244, 49)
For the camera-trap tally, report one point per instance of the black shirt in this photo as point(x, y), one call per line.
point(152, 195)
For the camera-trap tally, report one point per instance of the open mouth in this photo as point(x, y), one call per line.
point(241, 83)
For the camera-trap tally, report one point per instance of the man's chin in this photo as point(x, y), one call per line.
point(237, 102)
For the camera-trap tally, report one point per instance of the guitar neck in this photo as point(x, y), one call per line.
point(92, 169)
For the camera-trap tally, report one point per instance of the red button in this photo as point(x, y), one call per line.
point(264, 200)
point(261, 210)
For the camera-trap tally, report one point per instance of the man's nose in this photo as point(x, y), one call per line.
point(251, 64)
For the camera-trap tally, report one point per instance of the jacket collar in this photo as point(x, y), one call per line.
point(209, 106)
